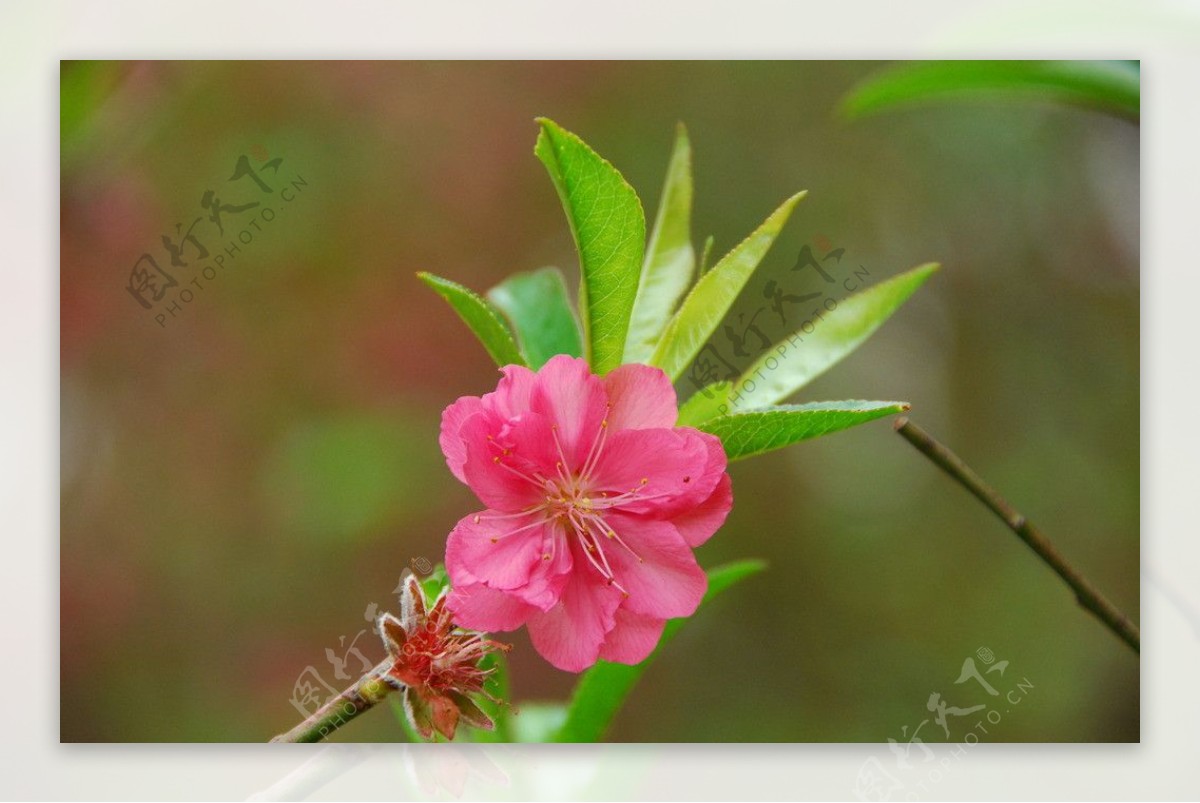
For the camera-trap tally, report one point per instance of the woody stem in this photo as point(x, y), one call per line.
point(337, 711)
point(1085, 593)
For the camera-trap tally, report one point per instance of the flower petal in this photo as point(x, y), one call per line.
point(569, 635)
point(549, 578)
point(633, 637)
point(450, 438)
point(477, 607)
point(661, 573)
point(641, 397)
point(531, 450)
point(668, 471)
point(498, 484)
point(500, 552)
point(698, 524)
point(511, 396)
point(574, 401)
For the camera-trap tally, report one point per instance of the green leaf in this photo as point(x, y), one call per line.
point(758, 431)
point(708, 402)
point(602, 689)
point(480, 317)
point(609, 228)
point(714, 293)
point(1110, 86)
point(797, 360)
point(435, 582)
point(705, 253)
point(670, 257)
point(536, 305)
point(497, 686)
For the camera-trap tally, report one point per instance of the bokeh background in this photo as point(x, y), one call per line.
point(241, 484)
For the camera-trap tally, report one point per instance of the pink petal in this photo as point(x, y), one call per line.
point(573, 400)
point(450, 438)
point(661, 573)
point(511, 397)
point(530, 442)
point(633, 637)
point(550, 577)
point(498, 487)
point(642, 397)
point(500, 552)
point(698, 524)
point(675, 464)
point(477, 607)
point(569, 635)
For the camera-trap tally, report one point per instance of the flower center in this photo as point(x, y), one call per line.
point(572, 502)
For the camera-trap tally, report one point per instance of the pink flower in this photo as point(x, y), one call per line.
point(594, 500)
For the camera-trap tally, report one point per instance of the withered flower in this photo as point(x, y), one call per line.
point(435, 664)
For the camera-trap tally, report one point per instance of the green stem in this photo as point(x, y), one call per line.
point(1085, 593)
point(337, 711)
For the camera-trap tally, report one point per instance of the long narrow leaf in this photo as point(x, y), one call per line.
point(708, 402)
point(480, 317)
point(609, 228)
point(797, 360)
point(602, 689)
point(536, 304)
point(757, 431)
point(1109, 86)
point(713, 295)
point(670, 256)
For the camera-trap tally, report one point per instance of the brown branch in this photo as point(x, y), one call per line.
point(1085, 593)
point(337, 711)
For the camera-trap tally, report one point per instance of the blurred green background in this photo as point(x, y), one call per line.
point(239, 485)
